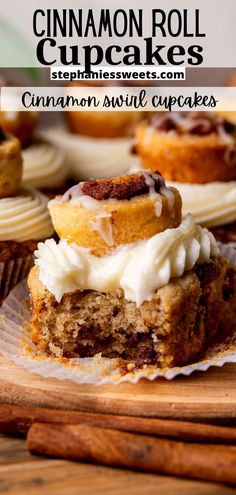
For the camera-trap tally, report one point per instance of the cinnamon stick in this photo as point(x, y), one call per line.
point(116, 448)
point(16, 420)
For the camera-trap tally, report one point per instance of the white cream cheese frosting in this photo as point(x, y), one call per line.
point(93, 157)
point(44, 165)
point(211, 204)
point(139, 269)
point(25, 217)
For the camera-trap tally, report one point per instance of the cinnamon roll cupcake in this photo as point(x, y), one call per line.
point(144, 286)
point(193, 147)
point(105, 213)
point(24, 220)
point(197, 154)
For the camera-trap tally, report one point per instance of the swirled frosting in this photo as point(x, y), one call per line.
point(25, 217)
point(44, 165)
point(93, 157)
point(139, 269)
point(211, 204)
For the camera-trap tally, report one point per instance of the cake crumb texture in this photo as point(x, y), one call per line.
point(171, 330)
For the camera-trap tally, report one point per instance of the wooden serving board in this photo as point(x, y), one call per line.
point(203, 396)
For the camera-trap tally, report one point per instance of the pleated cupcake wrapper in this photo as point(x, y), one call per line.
point(16, 345)
point(12, 272)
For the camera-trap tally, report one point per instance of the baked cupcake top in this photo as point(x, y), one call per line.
point(105, 213)
point(193, 123)
point(25, 217)
point(121, 188)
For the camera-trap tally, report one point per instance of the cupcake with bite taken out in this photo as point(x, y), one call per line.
point(129, 278)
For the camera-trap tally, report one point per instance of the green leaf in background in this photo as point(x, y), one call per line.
point(32, 72)
point(16, 52)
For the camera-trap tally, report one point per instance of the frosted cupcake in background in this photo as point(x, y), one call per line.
point(93, 157)
point(24, 217)
point(196, 151)
point(96, 143)
point(44, 165)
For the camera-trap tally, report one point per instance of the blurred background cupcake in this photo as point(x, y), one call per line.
point(20, 124)
point(195, 152)
point(44, 164)
point(24, 217)
point(230, 82)
point(96, 144)
point(45, 167)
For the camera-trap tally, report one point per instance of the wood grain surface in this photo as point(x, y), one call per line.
point(209, 396)
point(203, 396)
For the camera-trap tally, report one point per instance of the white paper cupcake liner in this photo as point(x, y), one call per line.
point(97, 370)
point(16, 346)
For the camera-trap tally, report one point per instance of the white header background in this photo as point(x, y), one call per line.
point(217, 20)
